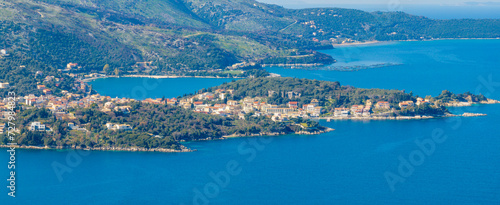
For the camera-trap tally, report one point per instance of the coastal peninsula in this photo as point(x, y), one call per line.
point(265, 106)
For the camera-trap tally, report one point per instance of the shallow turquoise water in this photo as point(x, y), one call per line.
point(346, 166)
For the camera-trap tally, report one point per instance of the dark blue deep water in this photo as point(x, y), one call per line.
point(437, 161)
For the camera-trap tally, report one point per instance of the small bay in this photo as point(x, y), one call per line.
point(141, 88)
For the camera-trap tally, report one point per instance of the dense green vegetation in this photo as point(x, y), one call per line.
point(179, 123)
point(173, 37)
point(358, 25)
point(164, 126)
point(326, 92)
point(447, 96)
point(154, 126)
point(62, 136)
point(329, 94)
point(20, 72)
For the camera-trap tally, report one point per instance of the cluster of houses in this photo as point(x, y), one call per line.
point(207, 102)
point(112, 106)
point(69, 100)
point(77, 86)
point(210, 103)
point(367, 109)
point(58, 105)
point(360, 110)
point(215, 103)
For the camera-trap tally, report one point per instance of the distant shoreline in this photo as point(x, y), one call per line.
point(360, 43)
point(371, 43)
point(152, 76)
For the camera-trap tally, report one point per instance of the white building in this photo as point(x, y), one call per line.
point(342, 112)
point(123, 127)
point(222, 96)
point(37, 126)
point(109, 105)
point(232, 102)
point(112, 126)
point(4, 85)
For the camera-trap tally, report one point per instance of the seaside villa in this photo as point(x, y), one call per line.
point(341, 112)
point(112, 126)
point(383, 105)
point(406, 104)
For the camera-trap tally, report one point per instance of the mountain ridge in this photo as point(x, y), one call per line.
point(179, 36)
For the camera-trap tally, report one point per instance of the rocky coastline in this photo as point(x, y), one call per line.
point(303, 132)
point(127, 149)
point(183, 148)
point(417, 117)
point(466, 104)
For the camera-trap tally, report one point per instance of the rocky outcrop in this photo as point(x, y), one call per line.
point(315, 132)
point(472, 114)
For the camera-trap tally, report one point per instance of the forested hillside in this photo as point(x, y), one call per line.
point(181, 36)
point(154, 126)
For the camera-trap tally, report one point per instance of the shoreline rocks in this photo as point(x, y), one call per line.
point(128, 149)
point(315, 132)
point(472, 114)
point(467, 104)
point(418, 117)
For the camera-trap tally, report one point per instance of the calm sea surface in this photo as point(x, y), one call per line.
point(437, 161)
point(141, 88)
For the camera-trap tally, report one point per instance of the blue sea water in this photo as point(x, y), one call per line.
point(426, 67)
point(141, 88)
point(458, 162)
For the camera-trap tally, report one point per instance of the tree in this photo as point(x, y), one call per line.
point(117, 72)
point(106, 69)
